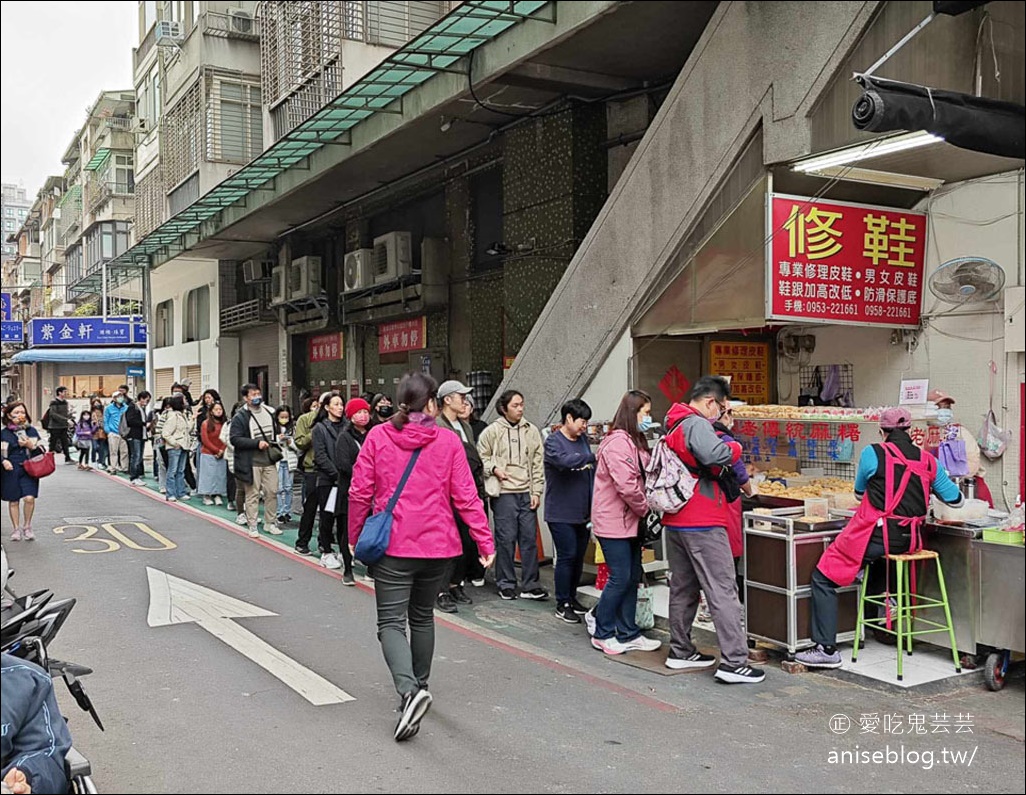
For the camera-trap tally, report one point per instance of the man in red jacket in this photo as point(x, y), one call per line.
point(697, 543)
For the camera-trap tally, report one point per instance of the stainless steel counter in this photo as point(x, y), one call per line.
point(1000, 601)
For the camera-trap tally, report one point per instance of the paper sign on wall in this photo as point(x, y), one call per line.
point(913, 392)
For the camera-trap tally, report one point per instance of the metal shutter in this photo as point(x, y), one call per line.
point(194, 373)
point(163, 379)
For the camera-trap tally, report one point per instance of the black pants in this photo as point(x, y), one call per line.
point(333, 529)
point(405, 590)
point(310, 507)
point(824, 596)
point(60, 442)
point(466, 566)
point(190, 476)
point(83, 455)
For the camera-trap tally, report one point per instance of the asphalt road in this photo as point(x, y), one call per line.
point(521, 704)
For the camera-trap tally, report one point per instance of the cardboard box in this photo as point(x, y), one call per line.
point(648, 555)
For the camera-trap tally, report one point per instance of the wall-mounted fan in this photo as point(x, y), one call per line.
point(968, 280)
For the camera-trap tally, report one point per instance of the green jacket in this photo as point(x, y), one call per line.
point(304, 440)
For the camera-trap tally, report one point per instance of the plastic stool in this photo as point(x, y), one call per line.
point(907, 603)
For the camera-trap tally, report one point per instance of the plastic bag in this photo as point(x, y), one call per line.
point(952, 454)
point(992, 439)
point(644, 614)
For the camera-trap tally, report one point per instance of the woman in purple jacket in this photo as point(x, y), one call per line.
point(424, 537)
point(618, 505)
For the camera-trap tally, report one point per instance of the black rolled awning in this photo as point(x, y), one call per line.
point(976, 123)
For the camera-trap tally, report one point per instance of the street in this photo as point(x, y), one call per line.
point(279, 684)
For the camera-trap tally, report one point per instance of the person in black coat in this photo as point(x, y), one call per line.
point(332, 528)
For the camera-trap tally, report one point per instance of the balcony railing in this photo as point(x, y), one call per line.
point(102, 192)
point(245, 315)
point(231, 26)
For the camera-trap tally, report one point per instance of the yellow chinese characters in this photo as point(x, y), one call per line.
point(812, 233)
point(887, 239)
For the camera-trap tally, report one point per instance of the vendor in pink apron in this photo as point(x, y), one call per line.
point(894, 481)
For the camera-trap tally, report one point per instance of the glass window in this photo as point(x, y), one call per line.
point(197, 314)
point(240, 132)
point(164, 324)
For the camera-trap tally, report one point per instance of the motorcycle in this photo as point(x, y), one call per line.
point(28, 624)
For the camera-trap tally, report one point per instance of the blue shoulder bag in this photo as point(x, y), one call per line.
point(377, 530)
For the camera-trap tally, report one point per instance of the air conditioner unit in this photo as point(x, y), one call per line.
point(169, 31)
point(241, 21)
point(257, 270)
point(279, 285)
point(358, 270)
point(306, 277)
point(393, 257)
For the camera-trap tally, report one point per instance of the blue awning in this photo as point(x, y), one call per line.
point(33, 355)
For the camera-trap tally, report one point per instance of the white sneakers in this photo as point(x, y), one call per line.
point(138, 482)
point(273, 529)
point(330, 561)
point(589, 622)
point(641, 643)
point(241, 519)
point(609, 645)
point(218, 500)
point(254, 533)
point(207, 500)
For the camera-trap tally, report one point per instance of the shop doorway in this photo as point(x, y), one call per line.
point(261, 377)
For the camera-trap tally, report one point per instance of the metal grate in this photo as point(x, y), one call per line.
point(181, 138)
point(234, 124)
point(150, 206)
point(811, 376)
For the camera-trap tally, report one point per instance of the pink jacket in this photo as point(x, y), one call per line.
point(618, 501)
point(423, 523)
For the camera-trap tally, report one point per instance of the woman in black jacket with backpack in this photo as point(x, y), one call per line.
point(332, 528)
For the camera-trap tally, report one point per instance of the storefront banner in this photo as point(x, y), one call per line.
point(85, 331)
point(12, 331)
point(747, 364)
point(5, 307)
point(325, 347)
point(401, 336)
point(844, 263)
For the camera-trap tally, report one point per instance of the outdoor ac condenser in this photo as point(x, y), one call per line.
point(279, 285)
point(358, 270)
point(306, 278)
point(393, 257)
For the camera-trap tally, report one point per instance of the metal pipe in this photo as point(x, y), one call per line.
point(148, 378)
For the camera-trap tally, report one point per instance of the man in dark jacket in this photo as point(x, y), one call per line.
point(136, 419)
point(251, 434)
point(452, 396)
point(59, 424)
point(35, 736)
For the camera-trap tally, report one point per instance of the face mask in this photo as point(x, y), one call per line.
point(283, 420)
point(945, 416)
point(385, 411)
point(257, 401)
point(645, 423)
point(119, 399)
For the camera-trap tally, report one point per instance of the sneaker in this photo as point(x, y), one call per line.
point(162, 490)
point(348, 578)
point(641, 643)
point(460, 596)
point(446, 603)
point(741, 675)
point(608, 645)
point(254, 533)
point(300, 550)
point(507, 594)
point(173, 499)
point(415, 707)
point(279, 519)
point(138, 482)
point(241, 519)
point(565, 612)
point(478, 583)
point(538, 594)
point(186, 497)
point(208, 501)
point(368, 577)
point(230, 507)
point(218, 500)
point(330, 561)
point(16, 534)
point(818, 657)
point(578, 607)
point(273, 529)
point(589, 622)
point(99, 466)
point(694, 661)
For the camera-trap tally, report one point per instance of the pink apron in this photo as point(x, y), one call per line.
point(843, 559)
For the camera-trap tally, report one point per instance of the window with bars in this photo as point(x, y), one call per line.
point(181, 144)
point(234, 121)
point(149, 202)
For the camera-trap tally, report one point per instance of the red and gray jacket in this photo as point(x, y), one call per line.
point(705, 454)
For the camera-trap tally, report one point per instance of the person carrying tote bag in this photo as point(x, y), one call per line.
point(20, 444)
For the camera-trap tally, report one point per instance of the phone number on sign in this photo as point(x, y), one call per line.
point(889, 312)
point(834, 308)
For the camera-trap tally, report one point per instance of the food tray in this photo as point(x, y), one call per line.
point(769, 501)
point(819, 527)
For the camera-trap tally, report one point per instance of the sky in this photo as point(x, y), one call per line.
point(55, 60)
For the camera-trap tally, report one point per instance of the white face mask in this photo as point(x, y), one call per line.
point(945, 416)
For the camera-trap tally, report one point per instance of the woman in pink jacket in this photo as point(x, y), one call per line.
point(424, 537)
point(618, 505)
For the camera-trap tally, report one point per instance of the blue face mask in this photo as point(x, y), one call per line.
point(945, 416)
point(257, 401)
point(645, 423)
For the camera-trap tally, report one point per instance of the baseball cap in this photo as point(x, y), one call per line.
point(452, 388)
point(893, 418)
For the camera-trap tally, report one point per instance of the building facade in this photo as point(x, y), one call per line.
point(14, 207)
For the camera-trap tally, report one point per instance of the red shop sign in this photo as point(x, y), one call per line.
point(403, 335)
point(845, 263)
point(325, 347)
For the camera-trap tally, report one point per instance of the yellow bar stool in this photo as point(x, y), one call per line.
point(904, 612)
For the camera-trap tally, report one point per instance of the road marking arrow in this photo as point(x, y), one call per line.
point(177, 601)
